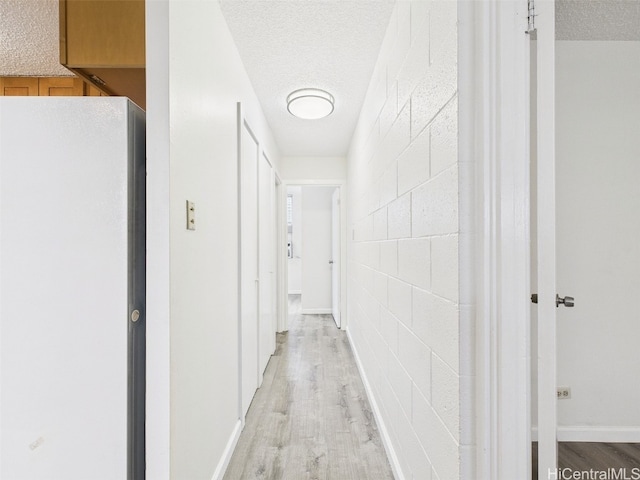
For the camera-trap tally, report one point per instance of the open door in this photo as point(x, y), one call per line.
point(335, 253)
point(545, 209)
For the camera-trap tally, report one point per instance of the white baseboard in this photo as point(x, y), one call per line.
point(228, 452)
point(384, 434)
point(316, 311)
point(594, 434)
point(295, 292)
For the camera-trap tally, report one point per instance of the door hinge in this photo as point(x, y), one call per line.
point(531, 16)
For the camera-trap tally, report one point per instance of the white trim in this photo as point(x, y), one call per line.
point(316, 311)
point(382, 428)
point(228, 452)
point(158, 314)
point(494, 136)
point(239, 122)
point(608, 434)
point(295, 292)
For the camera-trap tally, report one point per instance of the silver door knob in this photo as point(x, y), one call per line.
point(330, 261)
point(566, 301)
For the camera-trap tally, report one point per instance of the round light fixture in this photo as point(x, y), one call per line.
point(310, 103)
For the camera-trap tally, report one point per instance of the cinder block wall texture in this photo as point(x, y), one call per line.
point(403, 273)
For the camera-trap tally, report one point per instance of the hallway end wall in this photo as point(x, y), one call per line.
point(403, 221)
point(313, 168)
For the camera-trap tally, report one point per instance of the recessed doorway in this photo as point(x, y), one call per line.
point(314, 250)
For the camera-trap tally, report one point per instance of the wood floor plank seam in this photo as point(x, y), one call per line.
point(311, 418)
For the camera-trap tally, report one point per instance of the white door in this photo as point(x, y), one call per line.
point(546, 238)
point(276, 249)
point(588, 229)
point(248, 266)
point(265, 327)
point(316, 250)
point(335, 255)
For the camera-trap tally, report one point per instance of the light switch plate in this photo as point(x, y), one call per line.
point(191, 215)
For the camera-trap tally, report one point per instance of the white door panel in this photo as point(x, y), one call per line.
point(546, 237)
point(248, 265)
point(335, 255)
point(266, 227)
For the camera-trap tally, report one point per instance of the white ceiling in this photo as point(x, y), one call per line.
point(290, 44)
point(598, 20)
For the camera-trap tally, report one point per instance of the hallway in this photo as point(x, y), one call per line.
point(311, 418)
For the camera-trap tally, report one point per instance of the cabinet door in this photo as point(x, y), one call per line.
point(91, 91)
point(102, 33)
point(61, 87)
point(18, 86)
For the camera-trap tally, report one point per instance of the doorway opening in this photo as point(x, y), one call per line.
point(314, 242)
point(584, 244)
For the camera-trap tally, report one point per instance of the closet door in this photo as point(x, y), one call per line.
point(249, 280)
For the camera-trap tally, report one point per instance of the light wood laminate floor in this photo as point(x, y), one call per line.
point(311, 418)
point(586, 456)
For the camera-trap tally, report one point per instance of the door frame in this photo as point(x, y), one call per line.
point(493, 81)
point(342, 185)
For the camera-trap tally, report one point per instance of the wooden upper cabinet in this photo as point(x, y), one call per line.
point(103, 41)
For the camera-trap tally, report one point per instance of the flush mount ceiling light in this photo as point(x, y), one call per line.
point(310, 103)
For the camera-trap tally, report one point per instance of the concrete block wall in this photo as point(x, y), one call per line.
point(403, 273)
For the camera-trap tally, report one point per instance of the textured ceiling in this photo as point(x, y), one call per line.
point(29, 38)
point(292, 44)
point(598, 19)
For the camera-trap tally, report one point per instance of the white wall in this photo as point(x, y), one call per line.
point(598, 226)
point(403, 272)
point(193, 148)
point(313, 168)
point(295, 263)
point(316, 237)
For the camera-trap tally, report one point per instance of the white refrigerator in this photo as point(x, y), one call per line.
point(72, 288)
